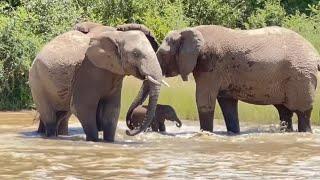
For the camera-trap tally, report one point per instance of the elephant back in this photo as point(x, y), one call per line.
point(55, 65)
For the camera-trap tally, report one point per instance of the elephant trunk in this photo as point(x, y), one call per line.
point(141, 97)
point(178, 122)
point(154, 90)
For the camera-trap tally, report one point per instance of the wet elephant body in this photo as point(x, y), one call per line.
point(82, 74)
point(271, 65)
point(163, 112)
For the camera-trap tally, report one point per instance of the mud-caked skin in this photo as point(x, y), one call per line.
point(272, 65)
point(91, 28)
point(82, 74)
point(163, 112)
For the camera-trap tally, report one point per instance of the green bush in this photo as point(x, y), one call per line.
point(307, 26)
point(218, 12)
point(23, 31)
point(160, 16)
point(270, 15)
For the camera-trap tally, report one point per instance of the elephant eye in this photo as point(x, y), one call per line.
point(136, 54)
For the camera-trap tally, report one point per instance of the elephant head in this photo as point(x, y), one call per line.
point(179, 52)
point(142, 28)
point(129, 53)
point(144, 91)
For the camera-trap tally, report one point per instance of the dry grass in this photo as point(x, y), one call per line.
point(181, 95)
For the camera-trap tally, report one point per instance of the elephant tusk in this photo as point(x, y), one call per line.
point(153, 80)
point(165, 83)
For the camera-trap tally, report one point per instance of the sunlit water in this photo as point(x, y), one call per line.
point(185, 153)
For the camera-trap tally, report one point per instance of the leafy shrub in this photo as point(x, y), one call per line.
point(218, 12)
point(307, 26)
point(160, 16)
point(272, 14)
point(23, 31)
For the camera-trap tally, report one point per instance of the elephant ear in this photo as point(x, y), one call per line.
point(191, 42)
point(142, 28)
point(104, 53)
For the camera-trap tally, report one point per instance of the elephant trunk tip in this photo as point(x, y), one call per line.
point(132, 132)
point(179, 123)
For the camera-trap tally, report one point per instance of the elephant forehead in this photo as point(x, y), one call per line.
point(136, 39)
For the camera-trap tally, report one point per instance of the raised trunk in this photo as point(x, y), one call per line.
point(141, 97)
point(153, 99)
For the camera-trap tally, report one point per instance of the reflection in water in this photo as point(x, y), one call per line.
point(179, 154)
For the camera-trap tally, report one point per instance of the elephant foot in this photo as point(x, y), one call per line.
point(63, 128)
point(41, 128)
point(51, 132)
point(93, 139)
point(304, 124)
point(206, 121)
point(63, 132)
point(92, 135)
point(233, 128)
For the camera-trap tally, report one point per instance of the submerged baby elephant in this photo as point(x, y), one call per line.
point(163, 112)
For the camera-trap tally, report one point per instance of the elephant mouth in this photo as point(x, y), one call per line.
point(139, 75)
point(144, 77)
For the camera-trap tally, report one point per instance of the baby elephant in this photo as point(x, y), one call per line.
point(163, 112)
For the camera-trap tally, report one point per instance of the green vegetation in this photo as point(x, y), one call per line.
point(26, 25)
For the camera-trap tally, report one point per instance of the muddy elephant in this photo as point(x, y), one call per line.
point(75, 73)
point(92, 28)
point(163, 112)
point(268, 66)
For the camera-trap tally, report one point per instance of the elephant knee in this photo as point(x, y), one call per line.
point(205, 108)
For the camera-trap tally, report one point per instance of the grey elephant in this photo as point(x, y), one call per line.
point(268, 66)
point(163, 112)
point(75, 73)
point(92, 28)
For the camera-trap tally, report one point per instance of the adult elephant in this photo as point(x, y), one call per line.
point(72, 74)
point(143, 93)
point(90, 29)
point(265, 66)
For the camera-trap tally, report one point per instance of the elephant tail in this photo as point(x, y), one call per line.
point(318, 65)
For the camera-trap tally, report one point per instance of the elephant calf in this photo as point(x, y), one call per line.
point(163, 112)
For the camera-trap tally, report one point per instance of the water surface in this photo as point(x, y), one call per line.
point(259, 152)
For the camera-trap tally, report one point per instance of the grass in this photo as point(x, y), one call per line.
point(181, 95)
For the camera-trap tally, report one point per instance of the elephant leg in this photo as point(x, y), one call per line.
point(110, 112)
point(207, 88)
point(229, 108)
point(86, 113)
point(206, 101)
point(285, 116)
point(155, 126)
point(162, 126)
point(48, 117)
point(41, 127)
point(63, 118)
point(304, 124)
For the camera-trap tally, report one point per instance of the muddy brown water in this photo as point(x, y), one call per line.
point(185, 153)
